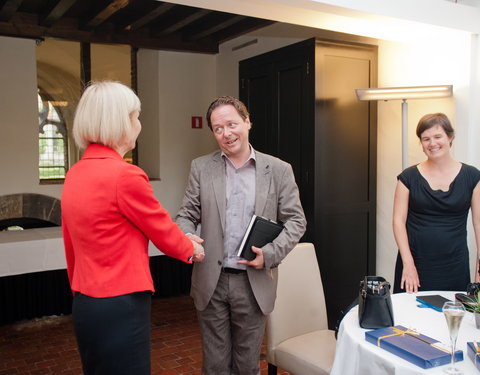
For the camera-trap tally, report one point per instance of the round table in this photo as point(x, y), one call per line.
point(356, 356)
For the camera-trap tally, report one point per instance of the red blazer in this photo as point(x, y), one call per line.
point(109, 213)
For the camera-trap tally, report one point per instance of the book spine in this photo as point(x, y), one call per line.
point(245, 237)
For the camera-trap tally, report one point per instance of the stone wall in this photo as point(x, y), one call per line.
point(29, 210)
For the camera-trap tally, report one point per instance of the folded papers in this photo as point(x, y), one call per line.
point(412, 346)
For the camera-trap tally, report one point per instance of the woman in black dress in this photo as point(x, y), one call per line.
point(430, 210)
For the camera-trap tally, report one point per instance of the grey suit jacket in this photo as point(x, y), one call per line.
point(276, 198)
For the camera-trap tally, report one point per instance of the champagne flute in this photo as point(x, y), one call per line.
point(454, 312)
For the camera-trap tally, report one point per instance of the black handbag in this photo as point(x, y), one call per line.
point(374, 303)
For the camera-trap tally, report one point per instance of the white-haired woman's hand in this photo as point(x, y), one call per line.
point(198, 250)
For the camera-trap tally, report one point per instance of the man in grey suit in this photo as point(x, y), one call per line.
point(232, 295)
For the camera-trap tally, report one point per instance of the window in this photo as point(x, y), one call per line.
point(59, 88)
point(52, 140)
point(62, 70)
point(113, 62)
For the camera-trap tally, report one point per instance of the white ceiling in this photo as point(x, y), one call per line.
point(401, 20)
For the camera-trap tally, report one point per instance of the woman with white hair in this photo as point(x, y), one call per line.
point(109, 213)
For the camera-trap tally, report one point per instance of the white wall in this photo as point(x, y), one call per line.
point(148, 91)
point(19, 119)
point(176, 87)
point(416, 65)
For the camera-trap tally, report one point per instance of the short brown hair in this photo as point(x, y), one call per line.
point(227, 100)
point(432, 119)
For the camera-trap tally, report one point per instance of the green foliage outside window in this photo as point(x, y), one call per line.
point(51, 143)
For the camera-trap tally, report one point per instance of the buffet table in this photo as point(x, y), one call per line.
point(356, 356)
point(33, 276)
point(36, 250)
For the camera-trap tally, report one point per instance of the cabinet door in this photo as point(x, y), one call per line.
point(257, 91)
point(304, 111)
point(345, 165)
point(278, 89)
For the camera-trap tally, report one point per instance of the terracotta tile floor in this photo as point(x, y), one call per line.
point(48, 346)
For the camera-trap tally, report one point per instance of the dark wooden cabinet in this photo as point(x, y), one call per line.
point(304, 110)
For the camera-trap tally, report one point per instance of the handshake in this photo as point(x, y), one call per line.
point(198, 250)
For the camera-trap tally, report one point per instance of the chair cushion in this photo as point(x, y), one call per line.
point(308, 354)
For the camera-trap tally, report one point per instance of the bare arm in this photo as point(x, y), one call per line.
point(410, 281)
point(476, 227)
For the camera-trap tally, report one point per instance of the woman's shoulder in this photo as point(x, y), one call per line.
point(409, 176)
point(470, 168)
point(471, 172)
point(409, 172)
point(123, 173)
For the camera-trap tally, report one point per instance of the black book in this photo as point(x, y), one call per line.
point(260, 231)
point(433, 301)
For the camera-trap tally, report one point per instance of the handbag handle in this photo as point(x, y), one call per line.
point(373, 284)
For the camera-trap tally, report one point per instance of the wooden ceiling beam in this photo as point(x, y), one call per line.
point(107, 12)
point(157, 12)
point(184, 22)
point(57, 12)
point(8, 9)
point(26, 26)
point(215, 28)
point(173, 44)
point(142, 23)
point(241, 28)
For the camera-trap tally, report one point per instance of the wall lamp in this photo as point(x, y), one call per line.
point(404, 93)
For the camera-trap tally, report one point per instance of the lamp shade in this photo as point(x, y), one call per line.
point(414, 92)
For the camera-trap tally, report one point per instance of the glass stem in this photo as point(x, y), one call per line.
point(454, 343)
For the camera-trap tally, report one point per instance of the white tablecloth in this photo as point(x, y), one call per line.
point(36, 250)
point(356, 356)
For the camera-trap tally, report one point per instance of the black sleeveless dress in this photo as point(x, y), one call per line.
point(437, 230)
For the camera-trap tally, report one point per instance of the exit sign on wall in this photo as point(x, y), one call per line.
point(196, 122)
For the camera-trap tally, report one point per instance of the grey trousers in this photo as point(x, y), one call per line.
point(232, 328)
